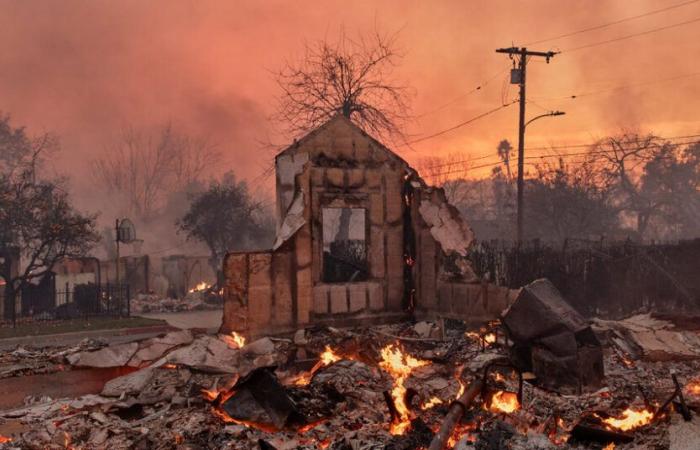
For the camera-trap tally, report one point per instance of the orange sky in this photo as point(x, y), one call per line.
point(83, 69)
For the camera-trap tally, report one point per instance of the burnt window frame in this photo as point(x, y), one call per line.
point(363, 272)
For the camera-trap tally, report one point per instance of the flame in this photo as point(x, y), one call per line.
point(234, 341)
point(630, 420)
point(497, 376)
point(326, 358)
point(434, 401)
point(504, 402)
point(201, 286)
point(221, 414)
point(610, 446)
point(399, 365)
point(693, 388)
point(459, 431)
point(4, 439)
point(490, 338)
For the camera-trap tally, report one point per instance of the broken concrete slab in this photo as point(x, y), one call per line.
point(129, 384)
point(152, 349)
point(293, 220)
point(206, 353)
point(642, 336)
point(112, 356)
point(259, 347)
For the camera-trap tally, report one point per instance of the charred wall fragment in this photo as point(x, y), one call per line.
point(552, 340)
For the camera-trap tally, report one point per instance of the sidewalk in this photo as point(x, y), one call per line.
point(209, 320)
point(114, 336)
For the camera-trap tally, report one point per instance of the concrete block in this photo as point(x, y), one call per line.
point(376, 252)
point(303, 246)
point(356, 178)
point(339, 299)
point(304, 295)
point(376, 296)
point(321, 299)
point(374, 178)
point(394, 251)
point(281, 280)
point(444, 297)
point(460, 299)
point(317, 176)
point(394, 293)
point(394, 199)
point(335, 177)
point(358, 297)
point(376, 209)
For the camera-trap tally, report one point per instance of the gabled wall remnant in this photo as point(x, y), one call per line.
point(360, 237)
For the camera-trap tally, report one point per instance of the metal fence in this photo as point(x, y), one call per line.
point(598, 278)
point(88, 300)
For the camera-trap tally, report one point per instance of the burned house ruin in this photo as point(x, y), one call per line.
point(361, 237)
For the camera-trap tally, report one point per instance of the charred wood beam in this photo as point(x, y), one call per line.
point(457, 410)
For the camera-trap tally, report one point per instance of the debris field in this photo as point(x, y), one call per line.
point(381, 387)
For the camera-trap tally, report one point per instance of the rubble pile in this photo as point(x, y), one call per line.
point(196, 300)
point(386, 387)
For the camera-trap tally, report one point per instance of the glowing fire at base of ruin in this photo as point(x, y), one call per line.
point(504, 402)
point(433, 402)
point(630, 419)
point(201, 286)
point(693, 388)
point(399, 365)
point(326, 358)
point(4, 439)
point(235, 340)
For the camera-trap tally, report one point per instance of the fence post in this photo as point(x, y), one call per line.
point(128, 300)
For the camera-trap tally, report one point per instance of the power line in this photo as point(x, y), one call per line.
point(619, 87)
point(629, 36)
point(541, 157)
point(459, 125)
point(466, 94)
point(554, 155)
point(615, 22)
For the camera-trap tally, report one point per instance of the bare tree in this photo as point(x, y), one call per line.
point(350, 77)
point(448, 172)
point(144, 167)
point(36, 215)
point(619, 163)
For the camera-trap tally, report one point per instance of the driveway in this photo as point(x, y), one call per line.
point(208, 320)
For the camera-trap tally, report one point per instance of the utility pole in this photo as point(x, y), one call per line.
point(517, 76)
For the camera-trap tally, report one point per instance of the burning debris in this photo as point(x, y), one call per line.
point(373, 388)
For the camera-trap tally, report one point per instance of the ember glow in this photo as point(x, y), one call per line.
point(434, 401)
point(490, 338)
point(326, 358)
point(201, 286)
point(610, 446)
point(630, 419)
point(399, 365)
point(504, 402)
point(693, 388)
point(235, 340)
point(4, 439)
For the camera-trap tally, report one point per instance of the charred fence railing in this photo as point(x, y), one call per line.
point(610, 279)
point(86, 300)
